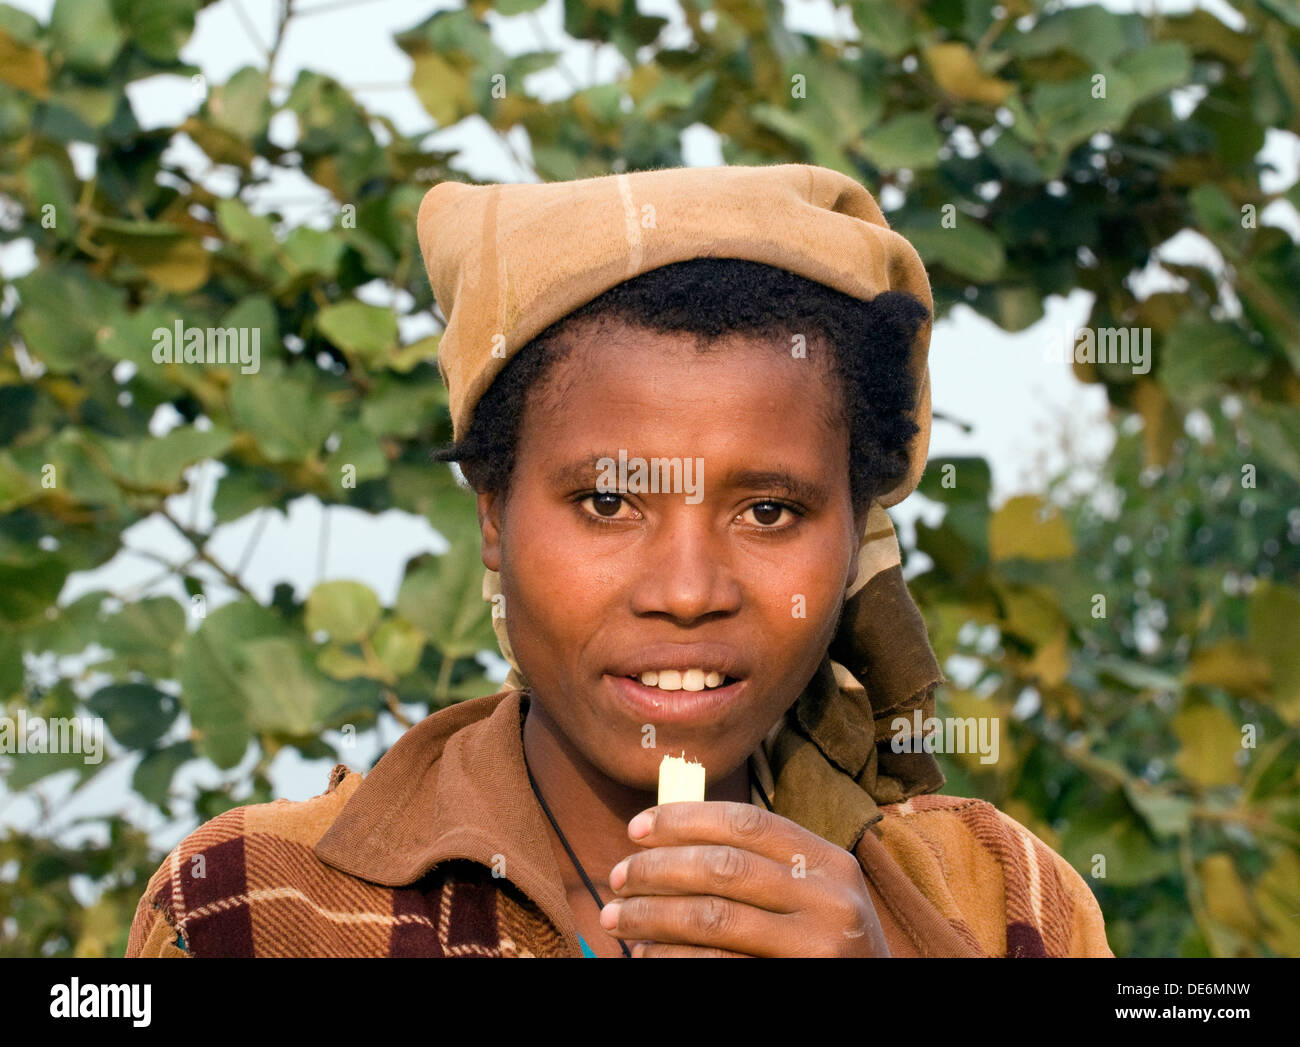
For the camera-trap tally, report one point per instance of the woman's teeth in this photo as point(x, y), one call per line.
point(690, 680)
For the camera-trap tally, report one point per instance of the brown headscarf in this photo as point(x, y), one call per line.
point(505, 261)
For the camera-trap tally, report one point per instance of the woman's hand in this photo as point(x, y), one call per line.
point(730, 879)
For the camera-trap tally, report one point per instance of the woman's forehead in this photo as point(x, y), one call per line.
point(654, 393)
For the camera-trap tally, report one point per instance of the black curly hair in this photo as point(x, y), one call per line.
point(870, 343)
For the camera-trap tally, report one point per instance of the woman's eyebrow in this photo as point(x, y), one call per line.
point(578, 472)
point(781, 481)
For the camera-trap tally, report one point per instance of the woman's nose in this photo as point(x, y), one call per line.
point(686, 572)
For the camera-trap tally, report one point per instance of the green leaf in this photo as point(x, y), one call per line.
point(252, 232)
point(1273, 612)
point(287, 696)
point(242, 491)
point(255, 313)
point(910, 141)
point(398, 644)
point(153, 775)
point(357, 328)
point(1274, 430)
point(25, 769)
point(336, 662)
point(66, 629)
point(16, 486)
point(401, 407)
point(124, 336)
point(1200, 30)
point(29, 585)
point(168, 255)
point(1014, 159)
point(86, 34)
point(211, 673)
point(1137, 675)
point(442, 596)
point(1283, 10)
point(1017, 308)
point(347, 611)
point(159, 28)
point(1029, 528)
point(476, 686)
point(160, 461)
point(329, 120)
point(137, 714)
point(443, 88)
point(288, 417)
point(1154, 69)
point(23, 66)
point(1067, 113)
point(967, 249)
point(406, 358)
point(242, 105)
point(1216, 216)
point(1200, 356)
point(91, 104)
point(507, 8)
point(313, 251)
point(62, 310)
point(360, 450)
point(1210, 742)
point(1091, 32)
point(885, 26)
point(12, 672)
point(144, 636)
point(50, 182)
point(1112, 831)
point(1165, 814)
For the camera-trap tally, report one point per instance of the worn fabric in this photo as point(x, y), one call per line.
point(505, 261)
point(442, 850)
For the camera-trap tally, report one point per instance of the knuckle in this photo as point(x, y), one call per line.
point(846, 866)
point(728, 865)
point(746, 821)
point(849, 909)
point(631, 912)
point(643, 868)
point(712, 917)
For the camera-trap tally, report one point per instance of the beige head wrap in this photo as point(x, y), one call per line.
point(505, 261)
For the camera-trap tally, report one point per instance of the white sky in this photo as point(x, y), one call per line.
point(1020, 408)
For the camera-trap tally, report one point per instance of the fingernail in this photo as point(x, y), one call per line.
point(641, 824)
point(609, 916)
point(618, 875)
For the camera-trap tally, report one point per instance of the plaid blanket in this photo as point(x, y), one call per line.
point(247, 884)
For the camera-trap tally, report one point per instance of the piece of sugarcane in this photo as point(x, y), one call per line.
point(680, 779)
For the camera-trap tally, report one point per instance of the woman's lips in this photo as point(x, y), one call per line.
point(657, 706)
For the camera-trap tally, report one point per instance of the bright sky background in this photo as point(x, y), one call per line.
point(1022, 411)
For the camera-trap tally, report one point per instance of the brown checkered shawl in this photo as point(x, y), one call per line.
point(948, 876)
point(263, 893)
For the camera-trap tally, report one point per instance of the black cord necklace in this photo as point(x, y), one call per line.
point(591, 888)
point(572, 857)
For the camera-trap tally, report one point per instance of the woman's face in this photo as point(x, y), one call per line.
point(737, 561)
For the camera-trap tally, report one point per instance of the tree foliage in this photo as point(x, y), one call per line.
point(1131, 639)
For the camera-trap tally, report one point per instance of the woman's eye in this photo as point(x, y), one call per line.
point(767, 514)
point(606, 505)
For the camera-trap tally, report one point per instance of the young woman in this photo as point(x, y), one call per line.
point(683, 399)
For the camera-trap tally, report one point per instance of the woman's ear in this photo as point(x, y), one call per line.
point(489, 522)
